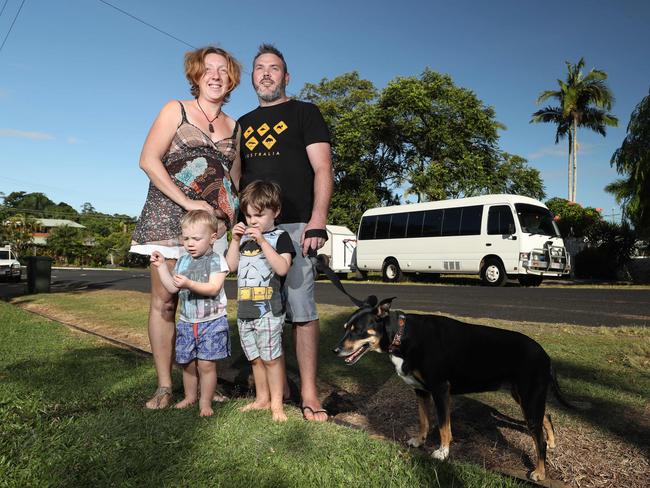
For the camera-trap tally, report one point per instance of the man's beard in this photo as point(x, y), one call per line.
point(274, 95)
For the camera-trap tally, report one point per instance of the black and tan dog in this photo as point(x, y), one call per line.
point(439, 356)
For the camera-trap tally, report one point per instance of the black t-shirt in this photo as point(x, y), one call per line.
point(273, 148)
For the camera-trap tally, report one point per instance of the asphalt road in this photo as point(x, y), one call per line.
point(564, 304)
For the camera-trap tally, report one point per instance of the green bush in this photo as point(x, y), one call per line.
point(610, 247)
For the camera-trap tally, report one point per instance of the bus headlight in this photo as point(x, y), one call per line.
point(523, 256)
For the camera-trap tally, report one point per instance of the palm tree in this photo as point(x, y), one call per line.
point(584, 101)
point(632, 160)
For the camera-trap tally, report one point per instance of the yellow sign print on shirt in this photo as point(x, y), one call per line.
point(251, 135)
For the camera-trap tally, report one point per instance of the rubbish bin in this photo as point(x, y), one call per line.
point(39, 274)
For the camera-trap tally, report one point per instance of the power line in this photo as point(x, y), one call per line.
point(147, 24)
point(12, 24)
point(63, 214)
point(3, 8)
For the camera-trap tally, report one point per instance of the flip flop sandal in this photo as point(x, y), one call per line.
point(162, 393)
point(313, 412)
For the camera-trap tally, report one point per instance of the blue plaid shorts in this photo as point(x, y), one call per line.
point(202, 340)
point(261, 338)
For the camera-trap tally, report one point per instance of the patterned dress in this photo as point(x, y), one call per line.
point(201, 169)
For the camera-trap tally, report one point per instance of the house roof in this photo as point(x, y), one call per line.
point(59, 223)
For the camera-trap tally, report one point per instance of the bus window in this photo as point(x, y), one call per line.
point(398, 225)
point(500, 220)
point(432, 223)
point(367, 228)
point(383, 227)
point(536, 220)
point(451, 222)
point(414, 228)
point(470, 222)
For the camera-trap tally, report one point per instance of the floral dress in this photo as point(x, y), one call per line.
point(201, 169)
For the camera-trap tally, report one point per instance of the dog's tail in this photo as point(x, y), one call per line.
point(562, 399)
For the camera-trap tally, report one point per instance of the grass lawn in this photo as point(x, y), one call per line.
point(71, 415)
point(607, 367)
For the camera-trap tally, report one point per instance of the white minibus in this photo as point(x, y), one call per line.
point(494, 236)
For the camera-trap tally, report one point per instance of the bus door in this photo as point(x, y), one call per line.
point(501, 238)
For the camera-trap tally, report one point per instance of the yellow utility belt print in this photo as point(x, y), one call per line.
point(255, 293)
point(268, 141)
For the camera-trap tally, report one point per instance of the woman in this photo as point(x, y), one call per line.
point(191, 157)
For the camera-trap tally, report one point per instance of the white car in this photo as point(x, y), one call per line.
point(9, 264)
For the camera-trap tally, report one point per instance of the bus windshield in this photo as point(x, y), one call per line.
point(536, 220)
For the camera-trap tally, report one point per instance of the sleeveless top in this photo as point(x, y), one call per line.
point(200, 167)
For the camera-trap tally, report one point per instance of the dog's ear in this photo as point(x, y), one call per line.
point(371, 301)
point(384, 307)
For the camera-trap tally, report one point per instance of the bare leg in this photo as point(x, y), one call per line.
point(306, 336)
point(275, 376)
point(162, 330)
point(208, 380)
point(190, 385)
point(262, 393)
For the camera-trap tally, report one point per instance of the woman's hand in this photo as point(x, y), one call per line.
point(199, 205)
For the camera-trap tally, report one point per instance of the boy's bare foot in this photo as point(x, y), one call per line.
point(255, 406)
point(161, 399)
point(185, 402)
point(206, 412)
point(279, 415)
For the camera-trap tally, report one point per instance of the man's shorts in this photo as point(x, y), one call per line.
point(261, 338)
point(202, 340)
point(299, 283)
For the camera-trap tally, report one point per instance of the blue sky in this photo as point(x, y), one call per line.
point(81, 83)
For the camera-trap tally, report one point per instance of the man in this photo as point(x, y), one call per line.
point(287, 141)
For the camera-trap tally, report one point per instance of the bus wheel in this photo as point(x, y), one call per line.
point(530, 280)
point(493, 273)
point(391, 271)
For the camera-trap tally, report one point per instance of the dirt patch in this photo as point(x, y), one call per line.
point(498, 440)
point(490, 434)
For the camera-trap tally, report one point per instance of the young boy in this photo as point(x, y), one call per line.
point(262, 255)
point(202, 330)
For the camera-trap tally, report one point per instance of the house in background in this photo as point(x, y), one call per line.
point(44, 229)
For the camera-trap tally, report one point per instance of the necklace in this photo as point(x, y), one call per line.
point(210, 128)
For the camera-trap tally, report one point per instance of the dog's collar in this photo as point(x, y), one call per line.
point(397, 321)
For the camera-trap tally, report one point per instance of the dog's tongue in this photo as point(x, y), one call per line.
point(352, 357)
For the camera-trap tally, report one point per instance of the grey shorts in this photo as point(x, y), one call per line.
point(299, 284)
point(261, 338)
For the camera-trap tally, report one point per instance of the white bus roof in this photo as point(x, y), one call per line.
point(459, 202)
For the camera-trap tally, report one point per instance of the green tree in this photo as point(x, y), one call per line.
point(584, 101)
point(65, 242)
point(16, 231)
point(421, 135)
point(446, 137)
point(512, 175)
point(365, 168)
point(573, 219)
point(632, 159)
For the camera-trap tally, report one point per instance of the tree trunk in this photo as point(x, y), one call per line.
point(570, 168)
point(575, 157)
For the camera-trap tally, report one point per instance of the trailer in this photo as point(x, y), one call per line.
point(339, 248)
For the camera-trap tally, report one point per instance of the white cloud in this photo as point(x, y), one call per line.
point(72, 140)
point(25, 134)
point(552, 151)
point(561, 151)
